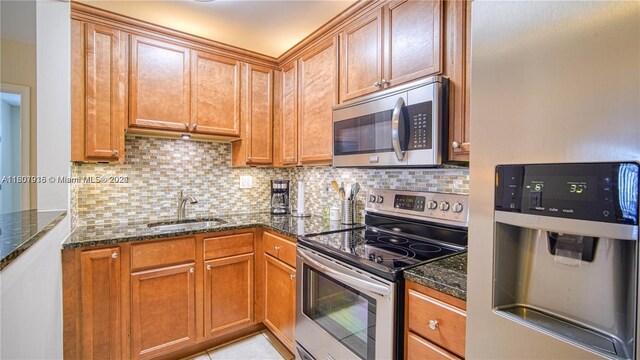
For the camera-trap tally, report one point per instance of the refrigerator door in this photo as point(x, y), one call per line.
point(551, 82)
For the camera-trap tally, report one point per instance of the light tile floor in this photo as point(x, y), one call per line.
point(261, 346)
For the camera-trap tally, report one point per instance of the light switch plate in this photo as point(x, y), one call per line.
point(246, 182)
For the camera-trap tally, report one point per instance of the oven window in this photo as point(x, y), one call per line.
point(346, 314)
point(363, 135)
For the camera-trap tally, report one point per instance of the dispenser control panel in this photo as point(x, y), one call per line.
point(606, 192)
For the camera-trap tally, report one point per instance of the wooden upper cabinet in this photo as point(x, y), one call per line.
point(159, 82)
point(361, 57)
point(289, 117)
point(457, 40)
point(215, 94)
point(162, 310)
point(318, 93)
point(412, 40)
point(99, 88)
point(100, 304)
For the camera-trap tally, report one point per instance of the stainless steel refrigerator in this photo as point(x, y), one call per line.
point(551, 82)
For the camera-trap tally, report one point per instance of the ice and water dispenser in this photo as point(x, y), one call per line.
point(566, 252)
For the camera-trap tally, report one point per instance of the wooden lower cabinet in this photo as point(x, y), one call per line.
point(435, 324)
point(228, 294)
point(163, 314)
point(280, 300)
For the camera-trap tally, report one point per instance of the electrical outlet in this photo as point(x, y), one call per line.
point(246, 182)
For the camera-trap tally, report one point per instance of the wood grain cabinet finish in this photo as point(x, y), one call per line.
point(361, 57)
point(435, 324)
point(256, 144)
point(160, 85)
point(163, 316)
point(280, 248)
point(100, 304)
point(215, 94)
point(318, 93)
point(228, 294)
point(280, 300)
point(99, 89)
point(457, 67)
point(289, 117)
point(412, 40)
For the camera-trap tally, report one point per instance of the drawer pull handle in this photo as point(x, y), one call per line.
point(192, 270)
point(114, 255)
point(208, 267)
point(433, 324)
point(277, 248)
point(292, 276)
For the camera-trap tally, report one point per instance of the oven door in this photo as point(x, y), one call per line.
point(342, 313)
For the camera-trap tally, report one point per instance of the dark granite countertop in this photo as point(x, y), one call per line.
point(448, 275)
point(104, 234)
point(19, 230)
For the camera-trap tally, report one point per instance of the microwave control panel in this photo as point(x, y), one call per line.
point(420, 126)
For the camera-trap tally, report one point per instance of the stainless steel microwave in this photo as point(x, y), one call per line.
point(401, 126)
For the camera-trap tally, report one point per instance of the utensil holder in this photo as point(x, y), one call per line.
point(348, 212)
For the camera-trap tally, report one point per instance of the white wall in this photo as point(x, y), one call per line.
point(31, 300)
point(53, 39)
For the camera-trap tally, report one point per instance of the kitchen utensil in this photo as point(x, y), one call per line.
point(335, 186)
point(355, 190)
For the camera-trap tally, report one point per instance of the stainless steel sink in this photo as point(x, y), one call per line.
point(186, 224)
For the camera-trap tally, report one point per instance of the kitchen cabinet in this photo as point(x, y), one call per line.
point(100, 304)
point(256, 144)
point(228, 283)
point(159, 85)
point(289, 115)
point(280, 303)
point(318, 92)
point(99, 90)
point(457, 67)
point(215, 94)
point(392, 45)
point(435, 324)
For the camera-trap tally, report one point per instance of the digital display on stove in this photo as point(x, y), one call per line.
point(409, 202)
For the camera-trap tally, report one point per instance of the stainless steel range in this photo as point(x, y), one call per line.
point(350, 284)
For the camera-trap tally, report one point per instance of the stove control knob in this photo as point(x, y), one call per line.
point(457, 207)
point(379, 199)
point(372, 198)
point(379, 259)
point(432, 205)
point(444, 206)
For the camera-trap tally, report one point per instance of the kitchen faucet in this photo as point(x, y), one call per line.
point(182, 204)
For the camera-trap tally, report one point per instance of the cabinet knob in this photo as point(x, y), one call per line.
point(292, 276)
point(192, 270)
point(384, 82)
point(455, 144)
point(377, 84)
point(114, 255)
point(115, 152)
point(277, 248)
point(433, 324)
point(208, 267)
point(193, 128)
point(186, 125)
point(248, 158)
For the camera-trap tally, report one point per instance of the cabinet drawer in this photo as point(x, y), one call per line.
point(230, 245)
point(421, 349)
point(280, 248)
point(449, 328)
point(163, 253)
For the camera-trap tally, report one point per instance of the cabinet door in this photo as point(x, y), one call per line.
point(457, 69)
point(215, 94)
point(100, 303)
point(361, 57)
point(162, 310)
point(228, 294)
point(421, 349)
point(280, 299)
point(159, 85)
point(412, 40)
point(289, 130)
point(258, 116)
point(318, 72)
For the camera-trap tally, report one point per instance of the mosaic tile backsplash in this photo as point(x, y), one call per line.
point(155, 170)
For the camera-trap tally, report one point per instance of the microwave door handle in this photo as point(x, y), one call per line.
point(377, 289)
point(395, 125)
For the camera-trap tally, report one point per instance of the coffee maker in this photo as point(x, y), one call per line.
point(279, 197)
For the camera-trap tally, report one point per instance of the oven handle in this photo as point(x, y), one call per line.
point(395, 125)
point(345, 278)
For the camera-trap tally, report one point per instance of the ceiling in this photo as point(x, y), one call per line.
point(268, 27)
